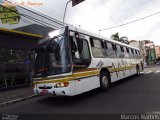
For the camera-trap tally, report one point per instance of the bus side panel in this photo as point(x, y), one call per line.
point(134, 71)
point(86, 84)
point(128, 70)
point(109, 63)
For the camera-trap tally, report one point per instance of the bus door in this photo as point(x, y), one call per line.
point(81, 60)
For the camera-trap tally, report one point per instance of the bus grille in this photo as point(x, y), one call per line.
point(49, 87)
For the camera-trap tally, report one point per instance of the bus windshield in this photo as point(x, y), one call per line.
point(52, 57)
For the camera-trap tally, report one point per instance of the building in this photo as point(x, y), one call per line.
point(17, 42)
point(147, 48)
point(157, 49)
point(150, 51)
point(139, 44)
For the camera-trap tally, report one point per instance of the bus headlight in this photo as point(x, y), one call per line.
point(60, 85)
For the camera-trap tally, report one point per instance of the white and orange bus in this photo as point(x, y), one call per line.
point(70, 61)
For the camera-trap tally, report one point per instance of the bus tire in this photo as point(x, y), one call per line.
point(137, 70)
point(104, 80)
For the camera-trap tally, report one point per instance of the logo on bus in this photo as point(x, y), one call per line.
point(99, 65)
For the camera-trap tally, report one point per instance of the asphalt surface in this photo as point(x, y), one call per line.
point(15, 93)
point(136, 94)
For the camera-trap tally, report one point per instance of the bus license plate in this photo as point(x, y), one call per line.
point(44, 91)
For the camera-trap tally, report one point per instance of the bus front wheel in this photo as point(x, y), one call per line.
point(104, 80)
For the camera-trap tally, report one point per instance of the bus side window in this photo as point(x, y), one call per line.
point(113, 46)
point(81, 58)
point(135, 53)
point(91, 41)
point(139, 54)
point(126, 52)
point(130, 53)
point(119, 51)
point(73, 46)
point(98, 48)
point(105, 44)
point(122, 49)
point(110, 50)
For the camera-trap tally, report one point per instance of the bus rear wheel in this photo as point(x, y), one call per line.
point(104, 81)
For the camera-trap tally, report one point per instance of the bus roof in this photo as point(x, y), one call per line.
point(100, 37)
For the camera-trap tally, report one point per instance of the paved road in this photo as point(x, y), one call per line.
point(132, 95)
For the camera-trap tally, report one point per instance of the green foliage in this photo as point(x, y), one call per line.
point(122, 39)
point(115, 36)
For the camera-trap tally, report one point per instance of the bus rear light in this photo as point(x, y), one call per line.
point(60, 85)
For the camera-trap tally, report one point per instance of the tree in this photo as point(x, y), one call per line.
point(115, 36)
point(124, 39)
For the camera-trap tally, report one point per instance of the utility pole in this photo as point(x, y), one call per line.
point(74, 3)
point(65, 10)
point(99, 32)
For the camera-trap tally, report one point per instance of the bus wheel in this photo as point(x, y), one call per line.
point(138, 71)
point(104, 80)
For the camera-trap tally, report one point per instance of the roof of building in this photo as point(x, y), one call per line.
point(4, 30)
point(133, 41)
point(35, 29)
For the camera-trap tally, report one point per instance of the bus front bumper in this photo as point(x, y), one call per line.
point(47, 89)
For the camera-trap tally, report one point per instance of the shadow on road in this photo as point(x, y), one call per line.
point(72, 100)
point(125, 80)
point(69, 100)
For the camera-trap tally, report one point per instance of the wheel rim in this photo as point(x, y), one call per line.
point(104, 81)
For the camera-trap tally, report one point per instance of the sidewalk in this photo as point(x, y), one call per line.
point(14, 94)
point(152, 67)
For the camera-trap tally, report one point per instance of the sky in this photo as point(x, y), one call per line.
point(94, 15)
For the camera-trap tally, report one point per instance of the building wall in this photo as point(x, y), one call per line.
point(157, 48)
point(139, 45)
point(15, 53)
point(135, 44)
point(148, 50)
point(16, 58)
point(151, 56)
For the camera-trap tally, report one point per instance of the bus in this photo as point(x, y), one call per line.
point(70, 61)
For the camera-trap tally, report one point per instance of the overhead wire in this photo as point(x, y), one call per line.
point(48, 11)
point(41, 15)
point(26, 21)
point(40, 22)
point(130, 21)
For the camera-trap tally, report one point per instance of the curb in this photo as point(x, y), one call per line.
point(17, 100)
